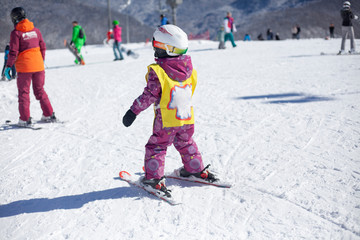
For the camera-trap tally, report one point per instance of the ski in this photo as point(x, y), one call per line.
point(338, 54)
point(129, 52)
point(176, 175)
point(8, 125)
point(50, 122)
point(127, 177)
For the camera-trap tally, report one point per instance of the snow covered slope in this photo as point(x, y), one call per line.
point(275, 118)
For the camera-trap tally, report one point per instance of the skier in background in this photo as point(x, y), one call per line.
point(260, 37)
point(277, 36)
point(27, 51)
point(229, 27)
point(269, 34)
point(247, 37)
point(170, 85)
point(109, 35)
point(347, 27)
point(13, 69)
point(78, 39)
point(298, 30)
point(163, 20)
point(117, 40)
point(294, 31)
point(331, 30)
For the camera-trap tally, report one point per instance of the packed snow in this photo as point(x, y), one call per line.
point(275, 118)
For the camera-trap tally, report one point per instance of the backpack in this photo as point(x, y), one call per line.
point(81, 33)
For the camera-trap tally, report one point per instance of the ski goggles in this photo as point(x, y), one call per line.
point(169, 48)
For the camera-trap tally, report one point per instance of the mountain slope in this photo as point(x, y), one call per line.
point(54, 19)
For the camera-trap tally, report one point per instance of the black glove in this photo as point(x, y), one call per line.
point(84, 43)
point(129, 118)
point(71, 43)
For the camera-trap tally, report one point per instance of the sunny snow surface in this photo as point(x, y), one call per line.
point(274, 118)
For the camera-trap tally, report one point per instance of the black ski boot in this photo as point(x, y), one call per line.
point(157, 184)
point(49, 119)
point(204, 174)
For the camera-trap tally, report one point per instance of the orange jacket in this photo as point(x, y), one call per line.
point(27, 48)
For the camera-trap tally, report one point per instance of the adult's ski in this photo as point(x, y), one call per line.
point(8, 125)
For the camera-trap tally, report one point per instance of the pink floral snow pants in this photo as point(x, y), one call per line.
point(162, 138)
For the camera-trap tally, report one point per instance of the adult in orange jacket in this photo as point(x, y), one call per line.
point(27, 51)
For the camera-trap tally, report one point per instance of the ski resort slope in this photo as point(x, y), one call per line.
point(275, 118)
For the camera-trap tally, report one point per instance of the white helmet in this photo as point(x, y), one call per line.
point(172, 39)
point(346, 3)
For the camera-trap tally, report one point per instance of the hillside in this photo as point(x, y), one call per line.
point(253, 17)
point(54, 18)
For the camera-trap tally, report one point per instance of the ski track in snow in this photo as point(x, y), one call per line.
point(274, 118)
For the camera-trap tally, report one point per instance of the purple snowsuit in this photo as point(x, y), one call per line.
point(179, 69)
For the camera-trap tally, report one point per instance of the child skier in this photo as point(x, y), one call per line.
point(170, 85)
point(27, 51)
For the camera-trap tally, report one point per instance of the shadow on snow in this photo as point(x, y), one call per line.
point(288, 98)
point(65, 202)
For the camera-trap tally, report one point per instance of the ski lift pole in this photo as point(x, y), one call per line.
point(173, 4)
point(109, 14)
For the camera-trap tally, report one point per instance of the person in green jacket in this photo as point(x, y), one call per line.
point(78, 38)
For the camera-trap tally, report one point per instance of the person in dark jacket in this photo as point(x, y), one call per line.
point(347, 27)
point(331, 30)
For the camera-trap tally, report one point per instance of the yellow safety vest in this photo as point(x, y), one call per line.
point(175, 103)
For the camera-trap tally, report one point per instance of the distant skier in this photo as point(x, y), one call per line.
point(347, 27)
point(269, 34)
point(78, 39)
point(294, 31)
point(27, 51)
point(163, 20)
point(247, 37)
point(13, 69)
point(229, 27)
point(109, 35)
point(331, 30)
point(298, 30)
point(277, 36)
point(170, 85)
point(260, 37)
point(117, 41)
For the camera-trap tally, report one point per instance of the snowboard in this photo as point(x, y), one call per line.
point(129, 52)
point(74, 51)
